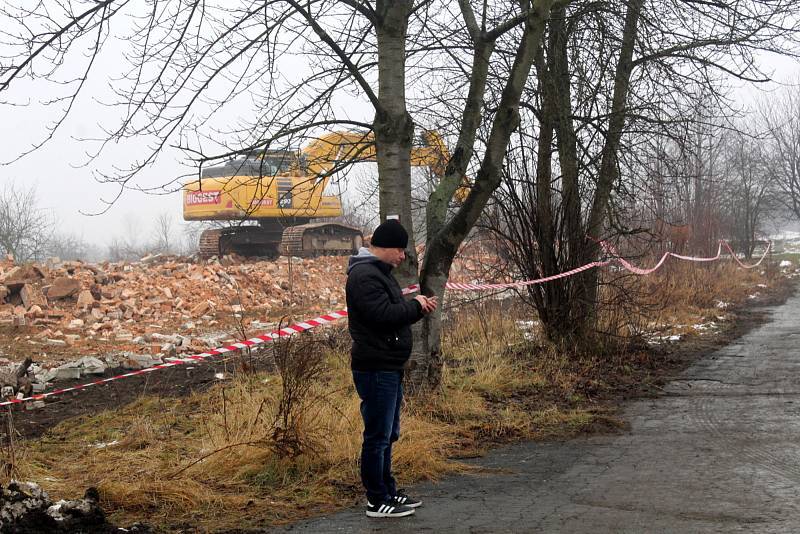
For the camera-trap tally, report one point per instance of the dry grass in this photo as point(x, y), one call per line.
point(689, 294)
point(213, 459)
point(210, 459)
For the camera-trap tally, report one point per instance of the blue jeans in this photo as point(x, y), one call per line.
point(381, 393)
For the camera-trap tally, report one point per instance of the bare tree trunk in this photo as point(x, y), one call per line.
point(608, 164)
point(444, 240)
point(558, 302)
point(394, 127)
point(567, 307)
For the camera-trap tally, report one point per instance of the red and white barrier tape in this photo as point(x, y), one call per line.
point(240, 345)
point(742, 265)
point(507, 285)
point(637, 270)
point(340, 314)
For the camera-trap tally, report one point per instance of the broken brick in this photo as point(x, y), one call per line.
point(85, 299)
point(201, 309)
point(63, 287)
point(32, 296)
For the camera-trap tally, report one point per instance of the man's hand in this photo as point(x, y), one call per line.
point(428, 303)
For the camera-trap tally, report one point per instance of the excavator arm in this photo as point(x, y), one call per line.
point(328, 152)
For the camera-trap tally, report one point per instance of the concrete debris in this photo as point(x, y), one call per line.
point(67, 372)
point(63, 287)
point(85, 299)
point(14, 379)
point(26, 508)
point(20, 275)
point(92, 366)
point(174, 339)
point(134, 362)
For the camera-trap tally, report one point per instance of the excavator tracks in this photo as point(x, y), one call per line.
point(209, 243)
point(303, 240)
point(320, 239)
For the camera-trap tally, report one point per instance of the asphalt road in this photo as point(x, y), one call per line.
point(720, 452)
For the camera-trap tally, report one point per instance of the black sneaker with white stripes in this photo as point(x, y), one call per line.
point(404, 500)
point(388, 509)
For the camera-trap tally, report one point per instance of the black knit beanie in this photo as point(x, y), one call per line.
point(390, 234)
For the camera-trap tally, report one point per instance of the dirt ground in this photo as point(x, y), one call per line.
point(169, 382)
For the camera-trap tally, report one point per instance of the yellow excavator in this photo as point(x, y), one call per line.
point(283, 190)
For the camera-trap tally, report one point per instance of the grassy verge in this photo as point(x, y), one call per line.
point(265, 449)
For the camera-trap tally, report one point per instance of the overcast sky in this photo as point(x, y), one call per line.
point(62, 172)
point(65, 176)
point(65, 183)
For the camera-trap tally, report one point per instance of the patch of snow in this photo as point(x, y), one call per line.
point(702, 328)
point(786, 263)
point(104, 445)
point(722, 305)
point(786, 236)
point(656, 340)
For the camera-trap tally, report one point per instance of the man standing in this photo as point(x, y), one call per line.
point(380, 320)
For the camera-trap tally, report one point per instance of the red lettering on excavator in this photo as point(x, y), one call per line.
point(196, 198)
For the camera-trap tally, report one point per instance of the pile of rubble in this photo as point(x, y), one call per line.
point(77, 319)
point(30, 378)
point(68, 302)
point(71, 301)
point(26, 509)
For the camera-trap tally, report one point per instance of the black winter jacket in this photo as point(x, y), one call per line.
point(380, 318)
